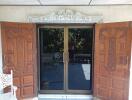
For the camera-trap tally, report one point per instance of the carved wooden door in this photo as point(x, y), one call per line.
point(18, 43)
point(112, 59)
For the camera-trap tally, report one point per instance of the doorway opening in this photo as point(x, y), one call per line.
point(65, 59)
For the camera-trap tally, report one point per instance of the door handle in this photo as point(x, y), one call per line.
point(65, 57)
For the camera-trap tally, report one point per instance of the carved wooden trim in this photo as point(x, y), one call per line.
point(108, 39)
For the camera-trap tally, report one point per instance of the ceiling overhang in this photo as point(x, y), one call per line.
point(65, 2)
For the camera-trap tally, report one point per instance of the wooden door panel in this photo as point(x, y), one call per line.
point(18, 42)
point(18, 93)
point(17, 81)
point(28, 80)
point(112, 59)
point(28, 48)
point(27, 91)
point(9, 49)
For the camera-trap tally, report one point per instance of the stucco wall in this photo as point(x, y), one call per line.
point(109, 13)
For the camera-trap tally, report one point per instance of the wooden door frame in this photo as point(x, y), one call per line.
point(36, 63)
point(38, 55)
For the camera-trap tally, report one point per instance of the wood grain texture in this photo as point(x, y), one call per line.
point(18, 43)
point(112, 61)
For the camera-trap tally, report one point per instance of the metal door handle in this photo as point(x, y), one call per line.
point(65, 57)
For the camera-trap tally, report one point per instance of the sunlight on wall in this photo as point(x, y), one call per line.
point(130, 84)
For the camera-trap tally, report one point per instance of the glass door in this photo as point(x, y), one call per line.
point(51, 40)
point(80, 40)
point(65, 59)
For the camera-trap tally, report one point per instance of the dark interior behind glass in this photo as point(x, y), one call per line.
point(54, 74)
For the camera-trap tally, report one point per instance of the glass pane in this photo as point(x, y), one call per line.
point(51, 58)
point(80, 58)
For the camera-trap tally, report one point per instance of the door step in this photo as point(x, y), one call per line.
point(64, 97)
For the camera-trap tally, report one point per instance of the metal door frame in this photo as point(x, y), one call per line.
point(65, 60)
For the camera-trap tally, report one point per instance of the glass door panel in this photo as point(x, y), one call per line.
point(51, 58)
point(80, 58)
point(65, 59)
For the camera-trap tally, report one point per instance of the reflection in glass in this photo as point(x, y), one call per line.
point(80, 58)
point(51, 58)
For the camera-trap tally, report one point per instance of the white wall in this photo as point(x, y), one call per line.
point(110, 13)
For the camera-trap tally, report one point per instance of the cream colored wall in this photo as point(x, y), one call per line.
point(109, 13)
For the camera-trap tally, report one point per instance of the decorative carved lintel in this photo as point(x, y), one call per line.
point(65, 16)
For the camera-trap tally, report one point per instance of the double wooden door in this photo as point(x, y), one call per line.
point(112, 48)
